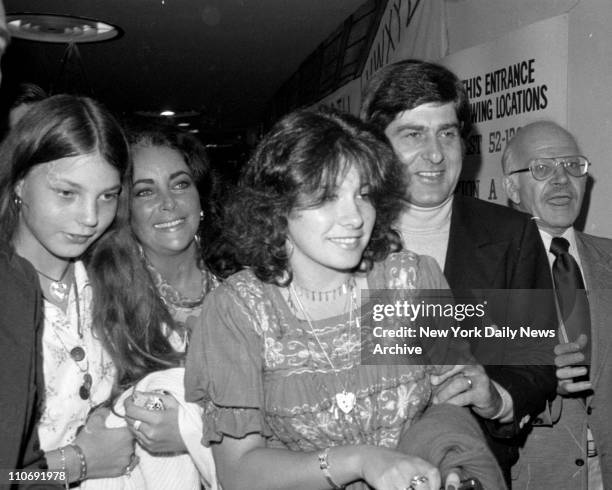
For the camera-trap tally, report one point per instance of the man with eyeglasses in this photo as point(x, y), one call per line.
point(571, 447)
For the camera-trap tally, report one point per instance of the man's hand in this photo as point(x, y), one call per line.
point(468, 386)
point(568, 358)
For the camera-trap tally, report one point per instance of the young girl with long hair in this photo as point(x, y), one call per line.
point(62, 165)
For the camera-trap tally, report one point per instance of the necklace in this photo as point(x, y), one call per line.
point(329, 295)
point(58, 289)
point(77, 354)
point(171, 296)
point(345, 399)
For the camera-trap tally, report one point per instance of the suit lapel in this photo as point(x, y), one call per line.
point(597, 269)
point(473, 254)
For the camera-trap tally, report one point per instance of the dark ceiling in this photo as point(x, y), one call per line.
point(224, 59)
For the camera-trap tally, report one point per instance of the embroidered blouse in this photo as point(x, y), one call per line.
point(256, 368)
point(64, 410)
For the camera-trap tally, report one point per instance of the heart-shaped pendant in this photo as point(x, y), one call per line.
point(58, 290)
point(345, 401)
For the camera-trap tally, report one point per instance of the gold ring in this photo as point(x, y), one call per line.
point(469, 381)
point(137, 424)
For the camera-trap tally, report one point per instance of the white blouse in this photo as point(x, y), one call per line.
point(64, 410)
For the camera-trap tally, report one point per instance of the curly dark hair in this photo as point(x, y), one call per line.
point(297, 165)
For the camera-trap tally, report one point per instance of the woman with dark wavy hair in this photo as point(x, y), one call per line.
point(60, 180)
point(275, 360)
point(152, 280)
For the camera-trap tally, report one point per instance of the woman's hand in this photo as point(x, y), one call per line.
point(156, 430)
point(108, 452)
point(386, 469)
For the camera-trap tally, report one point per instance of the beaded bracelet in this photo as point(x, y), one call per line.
point(83, 461)
point(325, 466)
point(64, 468)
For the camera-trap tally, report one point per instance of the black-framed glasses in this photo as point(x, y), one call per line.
point(542, 168)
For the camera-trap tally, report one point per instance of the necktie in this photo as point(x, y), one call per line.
point(571, 296)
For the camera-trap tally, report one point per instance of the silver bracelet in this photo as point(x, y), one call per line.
point(64, 469)
point(82, 461)
point(325, 466)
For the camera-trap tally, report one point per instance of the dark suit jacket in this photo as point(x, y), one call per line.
point(495, 247)
point(20, 364)
point(554, 455)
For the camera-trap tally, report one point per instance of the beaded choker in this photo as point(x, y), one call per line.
point(327, 296)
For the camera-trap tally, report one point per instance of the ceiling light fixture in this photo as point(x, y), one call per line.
point(183, 125)
point(178, 115)
point(53, 28)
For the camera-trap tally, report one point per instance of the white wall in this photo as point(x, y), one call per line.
point(473, 22)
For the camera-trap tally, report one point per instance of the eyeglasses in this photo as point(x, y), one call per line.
point(542, 168)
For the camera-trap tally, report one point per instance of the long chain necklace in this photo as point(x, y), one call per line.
point(345, 399)
point(58, 289)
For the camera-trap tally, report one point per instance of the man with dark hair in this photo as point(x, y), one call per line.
point(571, 447)
point(423, 110)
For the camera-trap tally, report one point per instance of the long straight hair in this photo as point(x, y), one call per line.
point(57, 127)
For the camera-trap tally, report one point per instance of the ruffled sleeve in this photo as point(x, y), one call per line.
point(224, 369)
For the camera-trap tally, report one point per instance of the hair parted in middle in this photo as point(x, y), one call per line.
point(57, 127)
point(407, 84)
point(296, 166)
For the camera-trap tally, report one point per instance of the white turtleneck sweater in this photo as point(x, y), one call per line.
point(425, 230)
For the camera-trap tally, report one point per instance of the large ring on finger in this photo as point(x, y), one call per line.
point(137, 424)
point(416, 481)
point(469, 381)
